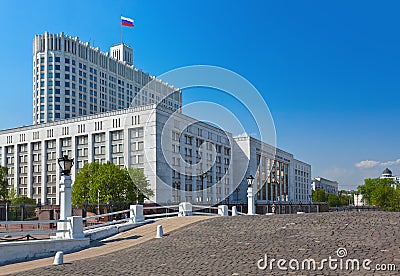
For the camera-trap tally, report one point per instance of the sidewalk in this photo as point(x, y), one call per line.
point(112, 244)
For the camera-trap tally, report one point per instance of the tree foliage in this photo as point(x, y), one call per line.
point(319, 195)
point(141, 184)
point(108, 182)
point(333, 200)
point(3, 183)
point(381, 193)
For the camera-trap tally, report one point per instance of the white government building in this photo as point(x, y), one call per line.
point(82, 109)
point(329, 186)
point(72, 78)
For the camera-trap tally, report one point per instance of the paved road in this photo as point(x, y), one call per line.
point(234, 245)
point(113, 244)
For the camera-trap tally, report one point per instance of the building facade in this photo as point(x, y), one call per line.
point(72, 78)
point(278, 175)
point(329, 186)
point(179, 156)
point(183, 159)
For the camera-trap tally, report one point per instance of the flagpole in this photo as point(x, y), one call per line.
point(120, 29)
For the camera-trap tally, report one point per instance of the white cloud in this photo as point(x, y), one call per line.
point(366, 164)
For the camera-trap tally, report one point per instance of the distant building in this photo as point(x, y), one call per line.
point(329, 186)
point(358, 200)
point(387, 174)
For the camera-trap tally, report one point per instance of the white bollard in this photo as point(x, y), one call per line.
point(159, 231)
point(223, 210)
point(58, 258)
point(234, 211)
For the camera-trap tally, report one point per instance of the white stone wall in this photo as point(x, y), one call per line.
point(131, 138)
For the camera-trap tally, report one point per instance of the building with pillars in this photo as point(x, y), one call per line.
point(71, 78)
point(279, 177)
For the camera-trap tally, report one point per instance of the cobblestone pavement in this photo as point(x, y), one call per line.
point(234, 245)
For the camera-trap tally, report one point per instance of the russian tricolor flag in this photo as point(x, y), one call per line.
point(125, 21)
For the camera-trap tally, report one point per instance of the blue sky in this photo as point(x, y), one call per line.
point(328, 70)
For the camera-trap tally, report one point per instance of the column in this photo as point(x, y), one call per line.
point(58, 183)
point(73, 151)
point(90, 147)
point(16, 165)
point(29, 172)
point(108, 146)
point(44, 174)
point(127, 147)
point(250, 201)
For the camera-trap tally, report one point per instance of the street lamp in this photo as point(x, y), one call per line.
point(237, 194)
point(65, 165)
point(250, 180)
point(204, 184)
point(250, 197)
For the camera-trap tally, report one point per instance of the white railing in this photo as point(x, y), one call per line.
point(39, 228)
point(203, 207)
point(97, 217)
point(166, 214)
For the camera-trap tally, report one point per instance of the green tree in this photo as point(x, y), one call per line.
point(333, 200)
point(141, 184)
point(319, 195)
point(23, 199)
point(3, 183)
point(384, 196)
point(15, 199)
point(370, 185)
point(381, 193)
point(83, 182)
point(108, 182)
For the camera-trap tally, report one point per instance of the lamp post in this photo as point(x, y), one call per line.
point(65, 186)
point(204, 184)
point(65, 191)
point(250, 196)
point(237, 190)
point(98, 201)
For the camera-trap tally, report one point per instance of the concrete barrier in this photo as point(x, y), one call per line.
point(185, 209)
point(136, 213)
point(223, 210)
point(234, 211)
point(108, 231)
point(11, 252)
